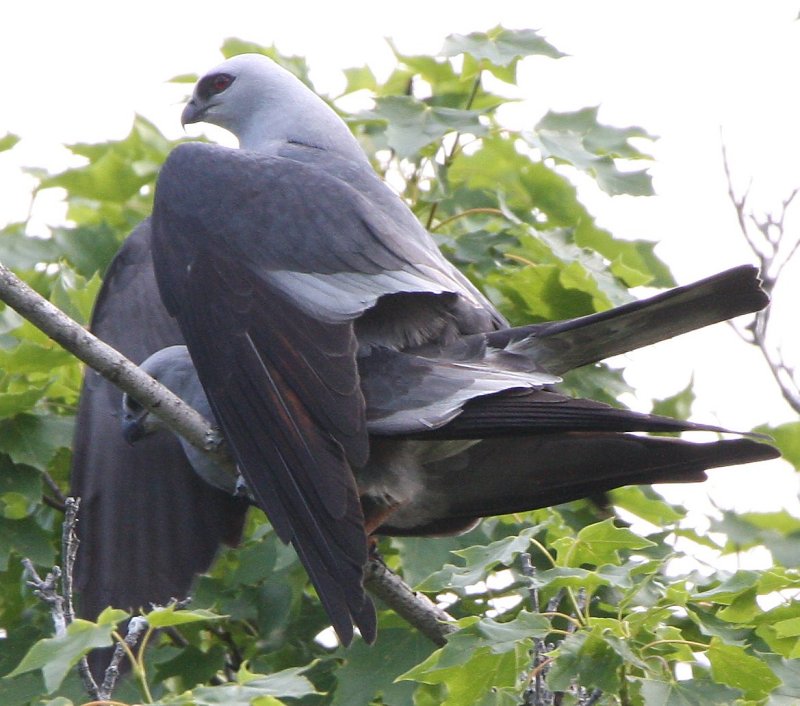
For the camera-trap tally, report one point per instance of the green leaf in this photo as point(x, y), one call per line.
point(20, 488)
point(578, 139)
point(647, 504)
point(598, 139)
point(788, 628)
point(787, 439)
point(570, 577)
point(111, 616)
point(730, 589)
point(184, 78)
point(359, 79)
point(371, 671)
point(588, 659)
point(498, 50)
point(13, 403)
point(547, 200)
point(288, 683)
point(411, 125)
point(679, 405)
point(33, 439)
point(7, 141)
point(169, 616)
point(55, 656)
point(20, 251)
point(30, 357)
point(192, 665)
point(691, 692)
point(504, 636)
point(468, 669)
point(116, 170)
point(296, 64)
point(27, 538)
point(732, 666)
point(479, 560)
point(74, 295)
point(767, 630)
point(599, 544)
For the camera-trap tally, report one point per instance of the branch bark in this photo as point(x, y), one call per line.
point(185, 421)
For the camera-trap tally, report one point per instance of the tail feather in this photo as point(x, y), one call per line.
point(560, 346)
point(502, 476)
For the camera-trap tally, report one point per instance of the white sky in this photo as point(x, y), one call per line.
point(684, 70)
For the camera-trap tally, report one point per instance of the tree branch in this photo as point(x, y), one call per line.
point(416, 608)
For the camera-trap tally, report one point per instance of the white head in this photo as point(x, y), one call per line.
point(262, 104)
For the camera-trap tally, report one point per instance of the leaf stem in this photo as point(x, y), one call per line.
point(448, 160)
point(688, 643)
point(464, 214)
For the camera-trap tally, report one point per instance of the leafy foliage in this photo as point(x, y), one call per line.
point(601, 607)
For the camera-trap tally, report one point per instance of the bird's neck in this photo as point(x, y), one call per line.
point(307, 121)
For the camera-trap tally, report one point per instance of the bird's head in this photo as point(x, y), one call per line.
point(173, 368)
point(262, 104)
point(136, 420)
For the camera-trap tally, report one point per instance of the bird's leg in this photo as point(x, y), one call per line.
point(376, 513)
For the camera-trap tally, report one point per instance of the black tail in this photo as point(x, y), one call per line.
point(502, 476)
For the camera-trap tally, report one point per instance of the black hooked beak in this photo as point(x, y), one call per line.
point(192, 113)
point(133, 421)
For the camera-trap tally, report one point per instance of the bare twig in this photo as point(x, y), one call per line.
point(69, 549)
point(61, 606)
point(767, 237)
point(136, 628)
point(537, 693)
point(57, 502)
point(47, 590)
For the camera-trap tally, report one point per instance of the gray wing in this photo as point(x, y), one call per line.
point(147, 524)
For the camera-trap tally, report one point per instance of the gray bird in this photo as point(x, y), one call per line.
point(352, 369)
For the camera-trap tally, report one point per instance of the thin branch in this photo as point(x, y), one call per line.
point(47, 590)
point(69, 550)
point(58, 501)
point(416, 608)
point(767, 238)
point(61, 606)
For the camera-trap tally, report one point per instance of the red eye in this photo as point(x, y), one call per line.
point(212, 85)
point(221, 82)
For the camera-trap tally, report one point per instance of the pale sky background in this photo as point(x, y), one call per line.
point(686, 71)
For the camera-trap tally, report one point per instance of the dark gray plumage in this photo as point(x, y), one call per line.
point(299, 281)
